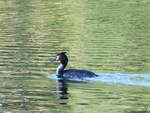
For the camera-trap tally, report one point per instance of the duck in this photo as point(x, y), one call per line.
point(70, 73)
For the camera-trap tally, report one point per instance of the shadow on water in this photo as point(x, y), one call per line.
point(62, 87)
point(62, 90)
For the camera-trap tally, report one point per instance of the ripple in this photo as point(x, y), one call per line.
point(127, 79)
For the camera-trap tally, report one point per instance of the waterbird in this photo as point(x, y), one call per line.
point(70, 73)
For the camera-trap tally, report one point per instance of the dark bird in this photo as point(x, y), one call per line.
point(70, 73)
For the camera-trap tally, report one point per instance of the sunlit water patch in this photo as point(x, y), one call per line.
point(128, 79)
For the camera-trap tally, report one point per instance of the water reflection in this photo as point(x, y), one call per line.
point(104, 36)
point(62, 89)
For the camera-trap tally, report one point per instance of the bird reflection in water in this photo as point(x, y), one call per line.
point(61, 89)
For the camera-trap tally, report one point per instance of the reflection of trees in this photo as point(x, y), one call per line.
point(16, 24)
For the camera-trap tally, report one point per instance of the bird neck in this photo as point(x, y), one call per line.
point(60, 69)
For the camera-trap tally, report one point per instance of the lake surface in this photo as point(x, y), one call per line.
point(108, 37)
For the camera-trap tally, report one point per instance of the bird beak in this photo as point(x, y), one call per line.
point(55, 59)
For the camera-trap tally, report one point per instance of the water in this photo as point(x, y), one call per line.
point(126, 79)
point(104, 36)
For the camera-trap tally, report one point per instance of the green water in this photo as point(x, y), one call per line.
point(104, 36)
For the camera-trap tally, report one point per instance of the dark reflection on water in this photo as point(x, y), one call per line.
point(62, 90)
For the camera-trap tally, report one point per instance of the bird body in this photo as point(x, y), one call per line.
point(70, 73)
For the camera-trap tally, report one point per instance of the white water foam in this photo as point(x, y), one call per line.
point(128, 79)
